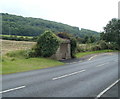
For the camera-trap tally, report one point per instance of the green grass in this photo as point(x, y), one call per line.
point(14, 62)
point(79, 55)
point(21, 65)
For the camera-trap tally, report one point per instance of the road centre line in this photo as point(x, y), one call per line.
point(104, 91)
point(63, 76)
point(101, 65)
point(12, 89)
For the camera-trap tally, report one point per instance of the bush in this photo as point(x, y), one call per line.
point(47, 44)
point(30, 53)
point(80, 49)
point(64, 35)
point(95, 48)
point(113, 46)
point(103, 45)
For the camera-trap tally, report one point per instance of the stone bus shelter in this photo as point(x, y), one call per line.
point(64, 50)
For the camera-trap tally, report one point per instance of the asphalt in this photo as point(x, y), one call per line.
point(79, 79)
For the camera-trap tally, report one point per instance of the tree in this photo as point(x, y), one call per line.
point(86, 39)
point(112, 31)
point(91, 39)
point(47, 44)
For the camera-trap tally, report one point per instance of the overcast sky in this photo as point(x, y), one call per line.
point(89, 14)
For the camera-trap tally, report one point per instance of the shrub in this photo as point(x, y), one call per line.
point(47, 44)
point(113, 46)
point(95, 48)
point(64, 35)
point(103, 45)
point(80, 49)
point(30, 53)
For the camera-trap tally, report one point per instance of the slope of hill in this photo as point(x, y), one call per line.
point(28, 26)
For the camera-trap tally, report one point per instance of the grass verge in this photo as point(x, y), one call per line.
point(22, 65)
point(14, 62)
point(79, 55)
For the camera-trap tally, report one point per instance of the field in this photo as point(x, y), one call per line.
point(8, 45)
point(13, 60)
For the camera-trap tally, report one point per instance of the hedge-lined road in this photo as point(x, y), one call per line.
point(81, 79)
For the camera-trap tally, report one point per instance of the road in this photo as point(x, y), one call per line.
point(89, 78)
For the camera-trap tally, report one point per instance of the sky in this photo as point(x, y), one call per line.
point(88, 14)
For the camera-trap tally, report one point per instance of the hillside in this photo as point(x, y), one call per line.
point(28, 26)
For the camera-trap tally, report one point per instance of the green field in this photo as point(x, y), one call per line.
point(82, 54)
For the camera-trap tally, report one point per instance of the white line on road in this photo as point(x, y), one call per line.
point(101, 65)
point(63, 76)
point(12, 89)
point(92, 57)
point(104, 91)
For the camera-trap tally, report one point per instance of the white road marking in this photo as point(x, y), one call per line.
point(12, 89)
point(109, 53)
point(101, 65)
point(104, 91)
point(63, 76)
point(92, 57)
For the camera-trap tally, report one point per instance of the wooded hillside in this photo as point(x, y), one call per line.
point(28, 26)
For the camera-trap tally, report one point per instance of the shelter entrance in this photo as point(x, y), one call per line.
point(64, 50)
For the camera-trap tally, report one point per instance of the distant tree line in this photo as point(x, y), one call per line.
point(19, 38)
point(27, 26)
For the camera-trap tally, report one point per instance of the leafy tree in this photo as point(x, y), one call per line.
point(91, 39)
point(86, 39)
point(47, 44)
point(112, 31)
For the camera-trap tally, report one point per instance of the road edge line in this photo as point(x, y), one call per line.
point(92, 57)
point(108, 88)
